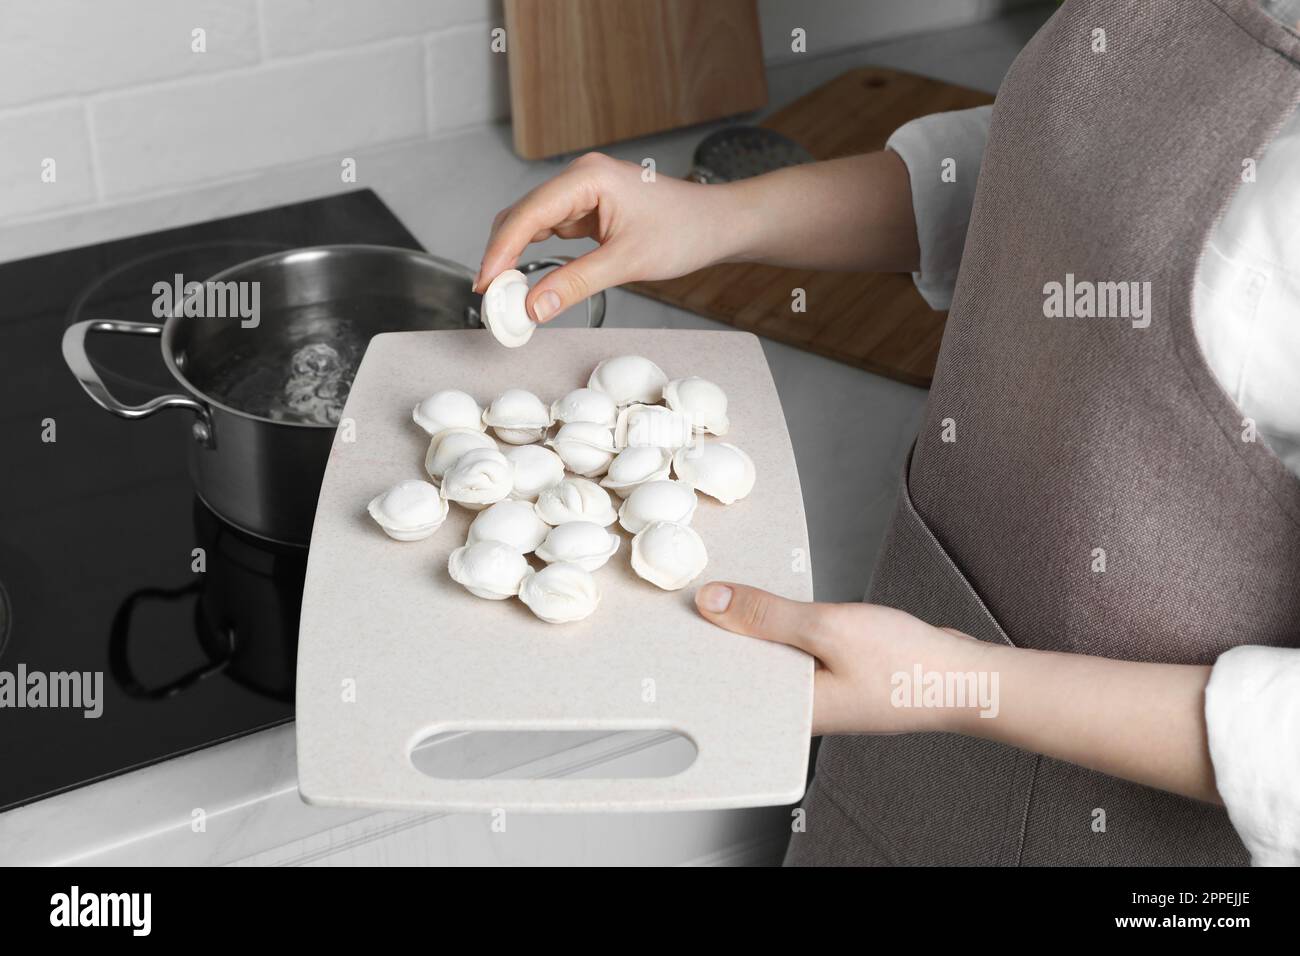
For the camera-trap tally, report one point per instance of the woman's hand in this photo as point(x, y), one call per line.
point(1130, 719)
point(859, 648)
point(647, 228)
point(851, 213)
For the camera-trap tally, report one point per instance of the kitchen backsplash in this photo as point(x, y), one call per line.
point(129, 98)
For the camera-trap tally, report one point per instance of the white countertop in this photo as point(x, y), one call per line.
point(850, 430)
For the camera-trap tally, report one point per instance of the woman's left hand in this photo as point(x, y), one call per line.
point(858, 647)
point(1134, 720)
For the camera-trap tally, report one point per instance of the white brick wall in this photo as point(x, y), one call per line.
point(292, 27)
point(29, 137)
point(112, 91)
point(466, 83)
point(285, 112)
point(831, 25)
point(56, 48)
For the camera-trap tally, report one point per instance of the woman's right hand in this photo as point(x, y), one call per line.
point(647, 228)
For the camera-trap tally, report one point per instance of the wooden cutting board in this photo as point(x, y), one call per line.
point(876, 321)
point(391, 650)
point(588, 72)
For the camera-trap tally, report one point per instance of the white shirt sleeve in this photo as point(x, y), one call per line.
point(1252, 711)
point(942, 153)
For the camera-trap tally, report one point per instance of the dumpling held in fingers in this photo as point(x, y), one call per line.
point(504, 312)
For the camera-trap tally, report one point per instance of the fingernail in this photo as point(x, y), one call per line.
point(716, 598)
point(547, 304)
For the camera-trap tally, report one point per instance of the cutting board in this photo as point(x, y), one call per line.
point(876, 321)
point(588, 72)
point(391, 651)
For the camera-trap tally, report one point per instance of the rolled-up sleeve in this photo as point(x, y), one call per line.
point(1252, 714)
point(942, 153)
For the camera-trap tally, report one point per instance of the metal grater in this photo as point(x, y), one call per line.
point(739, 152)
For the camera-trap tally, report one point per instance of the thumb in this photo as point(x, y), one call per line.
point(760, 614)
point(571, 283)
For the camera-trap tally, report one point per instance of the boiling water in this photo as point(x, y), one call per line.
point(318, 385)
point(304, 376)
point(298, 382)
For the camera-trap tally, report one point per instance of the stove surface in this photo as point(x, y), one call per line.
point(99, 522)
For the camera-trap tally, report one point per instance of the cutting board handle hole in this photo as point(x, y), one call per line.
point(537, 752)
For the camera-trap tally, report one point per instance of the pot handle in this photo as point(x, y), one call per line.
point(74, 353)
point(595, 303)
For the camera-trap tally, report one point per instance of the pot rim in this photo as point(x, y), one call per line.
point(172, 322)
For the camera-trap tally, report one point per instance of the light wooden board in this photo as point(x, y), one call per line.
point(876, 321)
point(425, 656)
point(584, 73)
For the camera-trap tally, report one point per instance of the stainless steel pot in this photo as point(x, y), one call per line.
point(263, 473)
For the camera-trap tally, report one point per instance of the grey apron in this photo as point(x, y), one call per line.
point(1077, 434)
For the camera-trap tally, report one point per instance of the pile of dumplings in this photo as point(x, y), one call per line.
point(543, 484)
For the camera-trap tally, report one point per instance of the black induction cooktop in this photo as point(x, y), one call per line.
point(104, 608)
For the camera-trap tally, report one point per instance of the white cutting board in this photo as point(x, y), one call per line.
point(391, 650)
